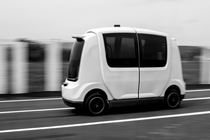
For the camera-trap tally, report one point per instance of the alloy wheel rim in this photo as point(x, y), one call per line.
point(96, 105)
point(173, 99)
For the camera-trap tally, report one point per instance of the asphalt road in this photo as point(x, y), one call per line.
point(50, 119)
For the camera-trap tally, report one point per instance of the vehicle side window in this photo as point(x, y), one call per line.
point(121, 49)
point(153, 50)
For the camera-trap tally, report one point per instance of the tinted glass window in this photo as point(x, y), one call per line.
point(153, 50)
point(74, 61)
point(121, 49)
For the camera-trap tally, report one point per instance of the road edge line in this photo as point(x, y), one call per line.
point(104, 122)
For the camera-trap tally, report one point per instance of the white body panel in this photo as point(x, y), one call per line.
point(176, 76)
point(122, 83)
point(89, 72)
point(154, 80)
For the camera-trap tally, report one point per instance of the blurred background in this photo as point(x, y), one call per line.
point(40, 60)
point(35, 36)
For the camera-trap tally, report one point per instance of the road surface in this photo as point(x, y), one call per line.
point(49, 118)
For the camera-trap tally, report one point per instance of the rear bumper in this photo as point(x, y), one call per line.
point(72, 103)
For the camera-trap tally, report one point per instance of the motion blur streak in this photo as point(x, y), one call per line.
point(106, 122)
point(69, 108)
point(193, 99)
point(37, 110)
point(30, 100)
point(49, 99)
point(199, 90)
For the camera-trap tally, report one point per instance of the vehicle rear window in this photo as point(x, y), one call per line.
point(74, 62)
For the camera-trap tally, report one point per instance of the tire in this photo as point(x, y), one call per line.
point(95, 104)
point(172, 99)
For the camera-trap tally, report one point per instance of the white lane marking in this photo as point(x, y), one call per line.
point(49, 99)
point(194, 99)
point(69, 108)
point(30, 100)
point(36, 110)
point(198, 90)
point(105, 122)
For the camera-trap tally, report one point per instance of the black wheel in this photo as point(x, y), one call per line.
point(95, 104)
point(172, 99)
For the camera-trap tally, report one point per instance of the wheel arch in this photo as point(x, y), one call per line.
point(172, 87)
point(100, 94)
point(175, 84)
point(97, 90)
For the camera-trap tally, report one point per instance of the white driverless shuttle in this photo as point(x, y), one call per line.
point(115, 65)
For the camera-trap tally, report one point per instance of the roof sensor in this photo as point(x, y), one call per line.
point(117, 25)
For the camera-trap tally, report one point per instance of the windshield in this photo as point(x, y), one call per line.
point(74, 61)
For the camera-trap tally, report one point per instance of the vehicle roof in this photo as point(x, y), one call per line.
point(125, 29)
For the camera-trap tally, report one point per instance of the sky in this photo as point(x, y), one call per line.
point(186, 20)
